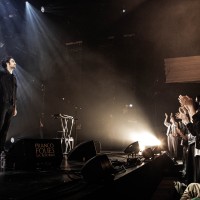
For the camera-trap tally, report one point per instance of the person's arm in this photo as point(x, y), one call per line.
point(15, 97)
point(183, 115)
point(15, 110)
point(188, 104)
point(166, 123)
point(181, 134)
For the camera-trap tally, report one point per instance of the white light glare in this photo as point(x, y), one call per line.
point(42, 9)
point(1, 44)
point(145, 139)
point(12, 140)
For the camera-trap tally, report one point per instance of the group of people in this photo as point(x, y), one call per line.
point(185, 125)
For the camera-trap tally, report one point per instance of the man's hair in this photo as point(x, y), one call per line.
point(5, 60)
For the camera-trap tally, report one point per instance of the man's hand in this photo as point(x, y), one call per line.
point(187, 103)
point(15, 112)
point(183, 116)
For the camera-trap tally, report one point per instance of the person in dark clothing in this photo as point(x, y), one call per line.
point(8, 92)
point(184, 134)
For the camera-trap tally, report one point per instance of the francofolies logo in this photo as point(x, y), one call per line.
point(44, 150)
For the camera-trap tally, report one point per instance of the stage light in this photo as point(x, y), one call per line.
point(12, 139)
point(148, 153)
point(132, 148)
point(157, 150)
point(42, 9)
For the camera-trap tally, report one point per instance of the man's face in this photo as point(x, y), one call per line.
point(12, 64)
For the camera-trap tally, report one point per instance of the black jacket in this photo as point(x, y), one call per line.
point(8, 87)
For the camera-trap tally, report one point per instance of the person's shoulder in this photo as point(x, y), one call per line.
point(2, 71)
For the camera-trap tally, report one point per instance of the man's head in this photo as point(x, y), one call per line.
point(8, 63)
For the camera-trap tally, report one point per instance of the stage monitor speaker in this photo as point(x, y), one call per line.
point(132, 148)
point(83, 151)
point(98, 169)
point(35, 154)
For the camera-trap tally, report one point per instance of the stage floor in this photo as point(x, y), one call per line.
point(131, 175)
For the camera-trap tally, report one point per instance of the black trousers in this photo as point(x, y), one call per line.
point(193, 166)
point(6, 113)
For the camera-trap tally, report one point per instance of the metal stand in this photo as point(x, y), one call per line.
point(42, 112)
point(66, 132)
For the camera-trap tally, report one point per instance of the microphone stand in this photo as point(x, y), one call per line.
point(42, 113)
point(75, 125)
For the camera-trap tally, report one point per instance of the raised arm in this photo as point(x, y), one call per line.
point(166, 123)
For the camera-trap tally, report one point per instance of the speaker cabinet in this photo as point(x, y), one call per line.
point(35, 154)
point(83, 151)
point(97, 169)
point(132, 148)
